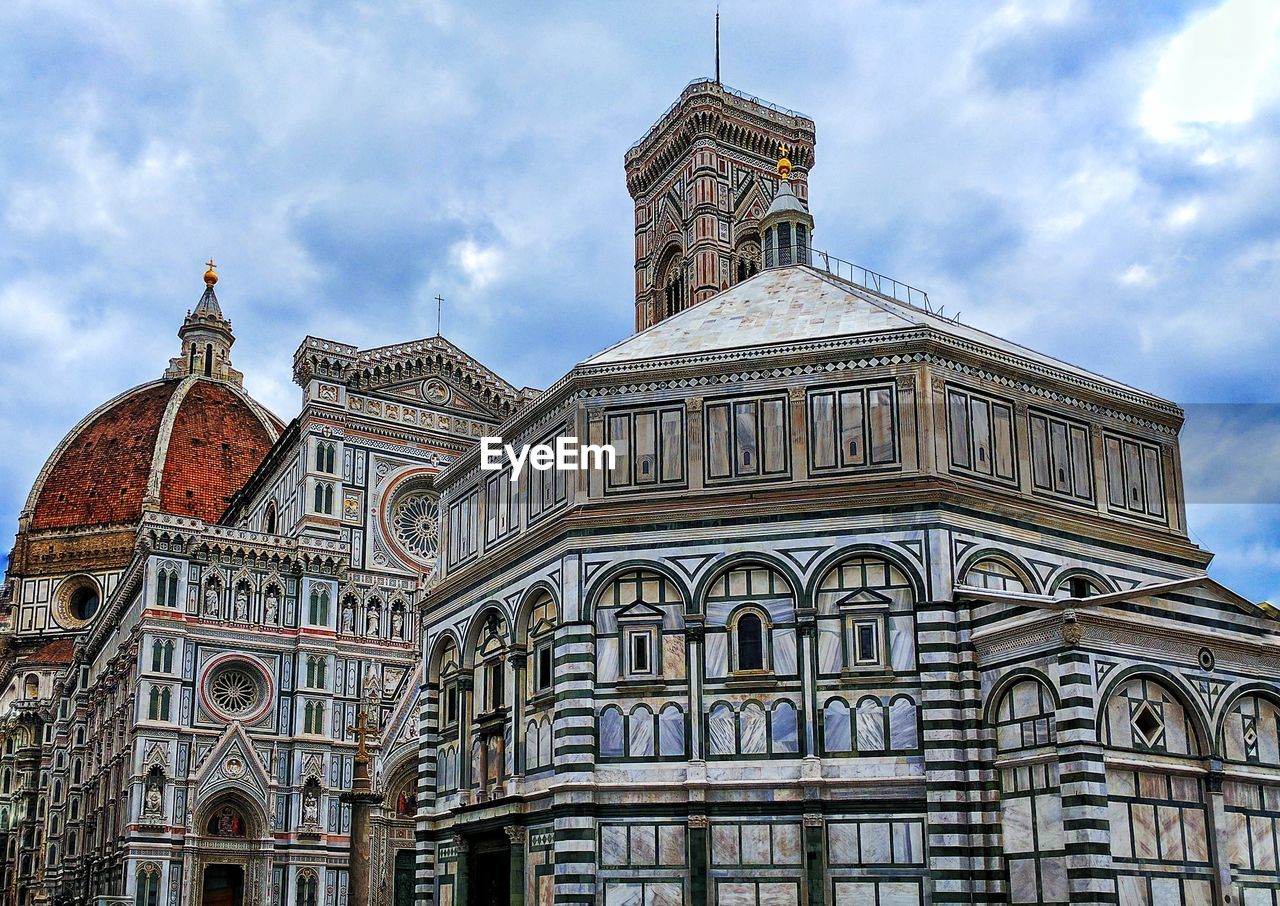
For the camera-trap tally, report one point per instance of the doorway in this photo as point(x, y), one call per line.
point(489, 872)
point(404, 878)
point(223, 886)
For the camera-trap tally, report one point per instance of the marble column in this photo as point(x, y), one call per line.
point(361, 797)
point(516, 834)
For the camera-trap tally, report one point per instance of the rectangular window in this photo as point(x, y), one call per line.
point(980, 435)
point(866, 634)
point(545, 490)
point(450, 705)
point(500, 518)
point(542, 668)
point(462, 527)
point(852, 428)
point(747, 438)
point(1135, 476)
point(1061, 457)
point(649, 446)
point(640, 653)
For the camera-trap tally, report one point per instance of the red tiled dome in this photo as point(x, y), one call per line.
point(182, 445)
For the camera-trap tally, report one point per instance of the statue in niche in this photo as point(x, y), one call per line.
point(373, 620)
point(348, 617)
point(271, 607)
point(240, 608)
point(310, 807)
point(211, 605)
point(397, 623)
point(153, 802)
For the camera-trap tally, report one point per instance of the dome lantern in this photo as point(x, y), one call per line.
point(787, 227)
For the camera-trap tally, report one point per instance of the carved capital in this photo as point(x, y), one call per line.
point(812, 820)
point(515, 833)
point(698, 822)
point(796, 394)
point(595, 416)
point(694, 404)
point(906, 381)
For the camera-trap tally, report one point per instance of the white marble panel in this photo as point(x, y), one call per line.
point(854, 893)
point(1053, 879)
point(751, 725)
point(1121, 847)
point(1199, 893)
point(611, 742)
point(755, 844)
point(783, 729)
point(1169, 820)
point(1264, 847)
point(717, 655)
point(724, 844)
point(606, 660)
point(1016, 825)
point(1133, 891)
point(842, 843)
point(835, 727)
point(1144, 831)
point(870, 727)
point(641, 727)
point(902, 643)
point(1022, 881)
point(898, 893)
point(779, 893)
point(902, 725)
point(784, 652)
point(1197, 840)
point(830, 657)
point(623, 894)
point(644, 844)
point(613, 844)
point(722, 727)
point(673, 656)
point(735, 893)
point(1049, 821)
point(671, 847)
point(1166, 890)
point(664, 893)
point(874, 836)
point(787, 849)
point(671, 731)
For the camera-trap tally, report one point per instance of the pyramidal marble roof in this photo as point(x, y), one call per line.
point(800, 304)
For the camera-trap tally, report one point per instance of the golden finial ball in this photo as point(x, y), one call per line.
point(784, 163)
point(210, 277)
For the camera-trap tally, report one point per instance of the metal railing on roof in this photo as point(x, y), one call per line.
point(869, 279)
point(696, 85)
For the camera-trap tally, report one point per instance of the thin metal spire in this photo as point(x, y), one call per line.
point(717, 42)
point(439, 306)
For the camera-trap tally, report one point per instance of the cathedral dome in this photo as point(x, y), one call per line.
point(181, 445)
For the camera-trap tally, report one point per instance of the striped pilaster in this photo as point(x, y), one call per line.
point(1083, 783)
point(963, 810)
point(574, 724)
point(575, 860)
point(424, 866)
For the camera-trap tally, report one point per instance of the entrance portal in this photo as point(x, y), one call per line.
point(404, 878)
point(223, 886)
point(489, 872)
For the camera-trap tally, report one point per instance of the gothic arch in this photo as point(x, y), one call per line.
point(1004, 558)
point(476, 627)
point(1008, 681)
point(528, 598)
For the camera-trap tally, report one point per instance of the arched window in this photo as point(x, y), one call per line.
point(1162, 775)
point(317, 668)
point(1077, 585)
point(227, 821)
point(208, 360)
point(313, 718)
point(31, 686)
point(308, 888)
point(1025, 717)
point(191, 359)
point(167, 588)
point(326, 457)
point(324, 498)
point(162, 656)
point(148, 890)
point(269, 520)
point(995, 575)
point(318, 614)
point(749, 642)
point(158, 703)
point(540, 647)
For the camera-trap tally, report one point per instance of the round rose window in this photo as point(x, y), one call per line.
point(414, 521)
point(235, 689)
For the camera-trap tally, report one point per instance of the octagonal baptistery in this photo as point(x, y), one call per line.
point(180, 445)
point(755, 647)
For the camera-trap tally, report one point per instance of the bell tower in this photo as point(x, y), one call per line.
point(702, 179)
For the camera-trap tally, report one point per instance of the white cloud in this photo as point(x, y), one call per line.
point(1220, 70)
point(1136, 275)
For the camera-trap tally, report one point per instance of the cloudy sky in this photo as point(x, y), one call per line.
point(1097, 180)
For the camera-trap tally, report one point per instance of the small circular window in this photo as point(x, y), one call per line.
point(413, 520)
point(236, 690)
point(78, 601)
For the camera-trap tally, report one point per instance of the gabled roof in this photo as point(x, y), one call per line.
point(801, 304)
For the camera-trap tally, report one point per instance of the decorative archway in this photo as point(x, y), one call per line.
point(229, 838)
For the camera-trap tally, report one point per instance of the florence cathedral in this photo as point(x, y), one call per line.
point(871, 608)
